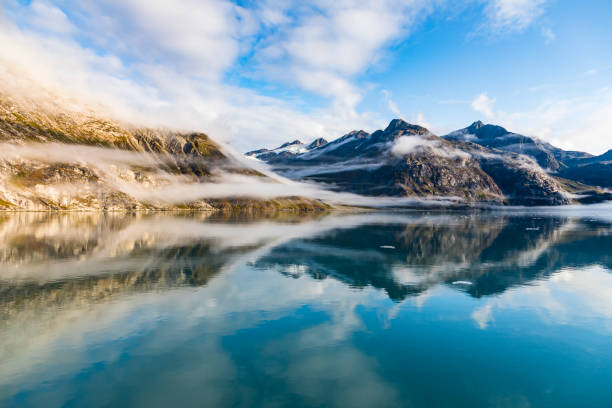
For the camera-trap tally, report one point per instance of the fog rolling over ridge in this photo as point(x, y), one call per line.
point(53, 158)
point(61, 159)
point(57, 156)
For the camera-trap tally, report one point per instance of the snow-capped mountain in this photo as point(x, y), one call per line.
point(548, 156)
point(285, 150)
point(481, 163)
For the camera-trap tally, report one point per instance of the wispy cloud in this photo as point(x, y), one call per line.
point(421, 120)
point(191, 64)
point(391, 105)
point(574, 123)
point(513, 15)
point(323, 45)
point(167, 63)
point(548, 34)
point(46, 16)
point(483, 104)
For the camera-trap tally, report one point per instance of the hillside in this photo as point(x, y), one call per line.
point(54, 159)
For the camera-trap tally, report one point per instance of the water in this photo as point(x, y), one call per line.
point(369, 310)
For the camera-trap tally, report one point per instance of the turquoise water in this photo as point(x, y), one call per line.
point(414, 309)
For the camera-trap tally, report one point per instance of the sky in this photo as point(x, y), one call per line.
point(258, 73)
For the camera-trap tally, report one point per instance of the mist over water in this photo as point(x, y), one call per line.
point(421, 308)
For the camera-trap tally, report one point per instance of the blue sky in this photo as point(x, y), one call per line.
point(256, 73)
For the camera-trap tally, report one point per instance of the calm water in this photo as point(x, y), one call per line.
point(373, 310)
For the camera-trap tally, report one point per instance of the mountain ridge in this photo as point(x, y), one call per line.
point(488, 166)
point(494, 136)
point(54, 159)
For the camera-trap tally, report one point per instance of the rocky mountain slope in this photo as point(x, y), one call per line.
point(408, 160)
point(596, 170)
point(54, 158)
point(548, 156)
point(578, 166)
point(57, 159)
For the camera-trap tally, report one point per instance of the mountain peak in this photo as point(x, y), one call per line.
point(295, 142)
point(476, 125)
point(317, 143)
point(483, 131)
point(607, 155)
point(400, 124)
point(359, 134)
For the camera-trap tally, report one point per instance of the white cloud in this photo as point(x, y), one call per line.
point(578, 123)
point(391, 105)
point(570, 296)
point(483, 104)
point(513, 15)
point(158, 71)
point(420, 120)
point(410, 144)
point(414, 143)
point(160, 63)
point(198, 37)
point(329, 42)
point(50, 18)
point(548, 34)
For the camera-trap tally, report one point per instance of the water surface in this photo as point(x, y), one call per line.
point(413, 309)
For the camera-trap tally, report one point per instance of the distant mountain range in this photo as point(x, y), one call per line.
point(480, 163)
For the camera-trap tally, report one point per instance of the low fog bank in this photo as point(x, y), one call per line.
point(145, 177)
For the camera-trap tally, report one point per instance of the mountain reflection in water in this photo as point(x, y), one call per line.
point(398, 309)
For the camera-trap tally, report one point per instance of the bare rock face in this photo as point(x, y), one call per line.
point(317, 143)
point(422, 175)
point(523, 185)
point(73, 161)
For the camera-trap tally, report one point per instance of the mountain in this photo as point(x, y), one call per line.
point(492, 136)
point(573, 165)
point(60, 159)
point(596, 170)
point(52, 157)
point(286, 150)
point(408, 160)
